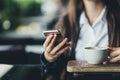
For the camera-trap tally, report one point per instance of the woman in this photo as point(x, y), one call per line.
point(97, 19)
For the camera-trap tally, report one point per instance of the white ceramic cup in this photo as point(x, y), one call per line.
point(96, 55)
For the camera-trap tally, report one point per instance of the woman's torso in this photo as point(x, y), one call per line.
point(95, 35)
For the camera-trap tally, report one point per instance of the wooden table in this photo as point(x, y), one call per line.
point(82, 66)
point(81, 70)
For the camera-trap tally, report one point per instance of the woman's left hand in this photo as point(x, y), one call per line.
point(115, 55)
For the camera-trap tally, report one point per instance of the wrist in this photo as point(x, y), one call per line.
point(46, 63)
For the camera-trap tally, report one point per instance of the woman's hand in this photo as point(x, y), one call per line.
point(115, 55)
point(52, 52)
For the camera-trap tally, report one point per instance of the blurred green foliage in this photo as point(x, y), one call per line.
point(29, 7)
point(12, 10)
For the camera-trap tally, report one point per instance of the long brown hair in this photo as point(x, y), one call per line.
point(113, 17)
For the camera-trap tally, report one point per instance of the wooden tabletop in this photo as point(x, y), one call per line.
point(82, 66)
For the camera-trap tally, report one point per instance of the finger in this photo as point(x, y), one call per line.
point(114, 48)
point(47, 41)
point(115, 53)
point(54, 57)
point(50, 46)
point(62, 51)
point(115, 59)
point(59, 46)
point(53, 41)
point(48, 49)
point(69, 43)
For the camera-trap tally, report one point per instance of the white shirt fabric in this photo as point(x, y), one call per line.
point(92, 36)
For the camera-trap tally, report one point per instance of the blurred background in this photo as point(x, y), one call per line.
point(22, 23)
point(19, 15)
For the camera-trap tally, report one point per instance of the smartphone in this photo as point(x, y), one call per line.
point(52, 32)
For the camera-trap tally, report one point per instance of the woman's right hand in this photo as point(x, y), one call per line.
point(52, 52)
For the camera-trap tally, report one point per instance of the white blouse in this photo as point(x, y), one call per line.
point(90, 36)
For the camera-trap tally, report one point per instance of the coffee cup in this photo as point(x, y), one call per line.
point(96, 55)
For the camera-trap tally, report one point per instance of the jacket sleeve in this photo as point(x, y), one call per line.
point(50, 69)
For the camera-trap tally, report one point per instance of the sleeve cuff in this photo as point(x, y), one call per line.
point(45, 63)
